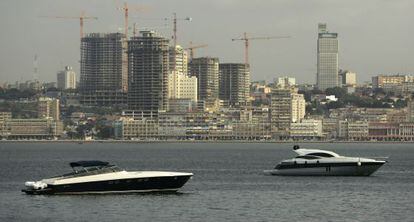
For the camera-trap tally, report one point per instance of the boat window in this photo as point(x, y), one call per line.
point(321, 154)
point(308, 157)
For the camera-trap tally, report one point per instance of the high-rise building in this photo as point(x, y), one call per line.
point(104, 74)
point(148, 69)
point(298, 107)
point(181, 60)
point(48, 108)
point(206, 69)
point(66, 79)
point(234, 83)
point(286, 106)
point(180, 84)
point(281, 110)
point(327, 64)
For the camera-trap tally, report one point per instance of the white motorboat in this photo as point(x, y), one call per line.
point(102, 177)
point(315, 162)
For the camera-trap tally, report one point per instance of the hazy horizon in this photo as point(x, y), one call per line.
point(374, 35)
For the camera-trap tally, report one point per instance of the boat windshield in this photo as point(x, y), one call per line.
point(321, 154)
point(87, 171)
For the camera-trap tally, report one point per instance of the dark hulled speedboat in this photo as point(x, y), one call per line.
point(102, 177)
point(315, 162)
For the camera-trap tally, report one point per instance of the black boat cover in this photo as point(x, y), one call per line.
point(88, 163)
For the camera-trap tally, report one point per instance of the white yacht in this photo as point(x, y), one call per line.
point(102, 177)
point(315, 162)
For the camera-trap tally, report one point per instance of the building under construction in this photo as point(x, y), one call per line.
point(148, 68)
point(234, 83)
point(206, 69)
point(104, 70)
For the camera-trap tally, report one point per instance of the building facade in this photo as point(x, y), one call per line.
point(104, 76)
point(306, 129)
point(66, 79)
point(148, 70)
point(298, 107)
point(206, 69)
point(48, 108)
point(281, 110)
point(347, 78)
point(180, 84)
point(179, 63)
point(285, 82)
point(327, 59)
point(185, 87)
point(234, 83)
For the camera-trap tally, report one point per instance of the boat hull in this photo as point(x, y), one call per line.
point(349, 169)
point(130, 185)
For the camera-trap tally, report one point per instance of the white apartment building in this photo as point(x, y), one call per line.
point(185, 87)
point(298, 107)
point(66, 79)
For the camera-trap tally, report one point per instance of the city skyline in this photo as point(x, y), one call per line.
point(373, 34)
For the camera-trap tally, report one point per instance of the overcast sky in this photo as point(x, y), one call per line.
point(375, 36)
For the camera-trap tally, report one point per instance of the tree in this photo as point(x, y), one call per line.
point(339, 92)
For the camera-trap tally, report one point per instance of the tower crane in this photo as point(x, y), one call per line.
point(175, 19)
point(174, 37)
point(127, 8)
point(81, 18)
point(192, 47)
point(246, 40)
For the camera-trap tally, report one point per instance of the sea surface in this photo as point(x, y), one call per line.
point(228, 184)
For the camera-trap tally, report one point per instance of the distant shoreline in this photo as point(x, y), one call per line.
point(192, 141)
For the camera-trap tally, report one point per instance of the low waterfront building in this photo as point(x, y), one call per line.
point(306, 129)
point(383, 131)
point(353, 130)
point(251, 131)
point(358, 130)
point(46, 128)
point(143, 129)
point(330, 128)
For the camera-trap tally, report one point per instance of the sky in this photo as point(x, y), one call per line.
point(375, 36)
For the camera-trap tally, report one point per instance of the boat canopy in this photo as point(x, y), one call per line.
point(88, 163)
point(315, 152)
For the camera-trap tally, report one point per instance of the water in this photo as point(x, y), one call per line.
point(228, 184)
